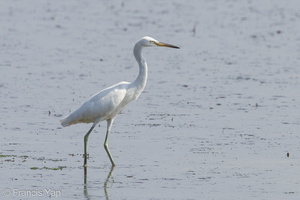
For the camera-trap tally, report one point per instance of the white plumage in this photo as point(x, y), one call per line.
point(104, 105)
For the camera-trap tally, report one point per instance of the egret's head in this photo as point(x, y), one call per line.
point(151, 42)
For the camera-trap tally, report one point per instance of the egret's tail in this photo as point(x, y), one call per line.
point(66, 121)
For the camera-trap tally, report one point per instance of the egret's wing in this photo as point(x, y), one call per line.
point(100, 106)
point(103, 103)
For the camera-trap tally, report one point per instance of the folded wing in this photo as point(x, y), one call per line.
point(102, 106)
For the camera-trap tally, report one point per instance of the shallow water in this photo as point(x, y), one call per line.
point(219, 118)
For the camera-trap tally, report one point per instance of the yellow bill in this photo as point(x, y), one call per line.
point(162, 44)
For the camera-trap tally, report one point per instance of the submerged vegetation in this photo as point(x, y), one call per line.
point(48, 168)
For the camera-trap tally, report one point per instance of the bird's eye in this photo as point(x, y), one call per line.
point(151, 41)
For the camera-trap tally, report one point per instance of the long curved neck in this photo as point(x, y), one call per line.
point(140, 81)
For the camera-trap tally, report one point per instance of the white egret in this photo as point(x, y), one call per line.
point(107, 103)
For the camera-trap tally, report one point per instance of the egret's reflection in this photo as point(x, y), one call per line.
point(105, 186)
point(85, 189)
